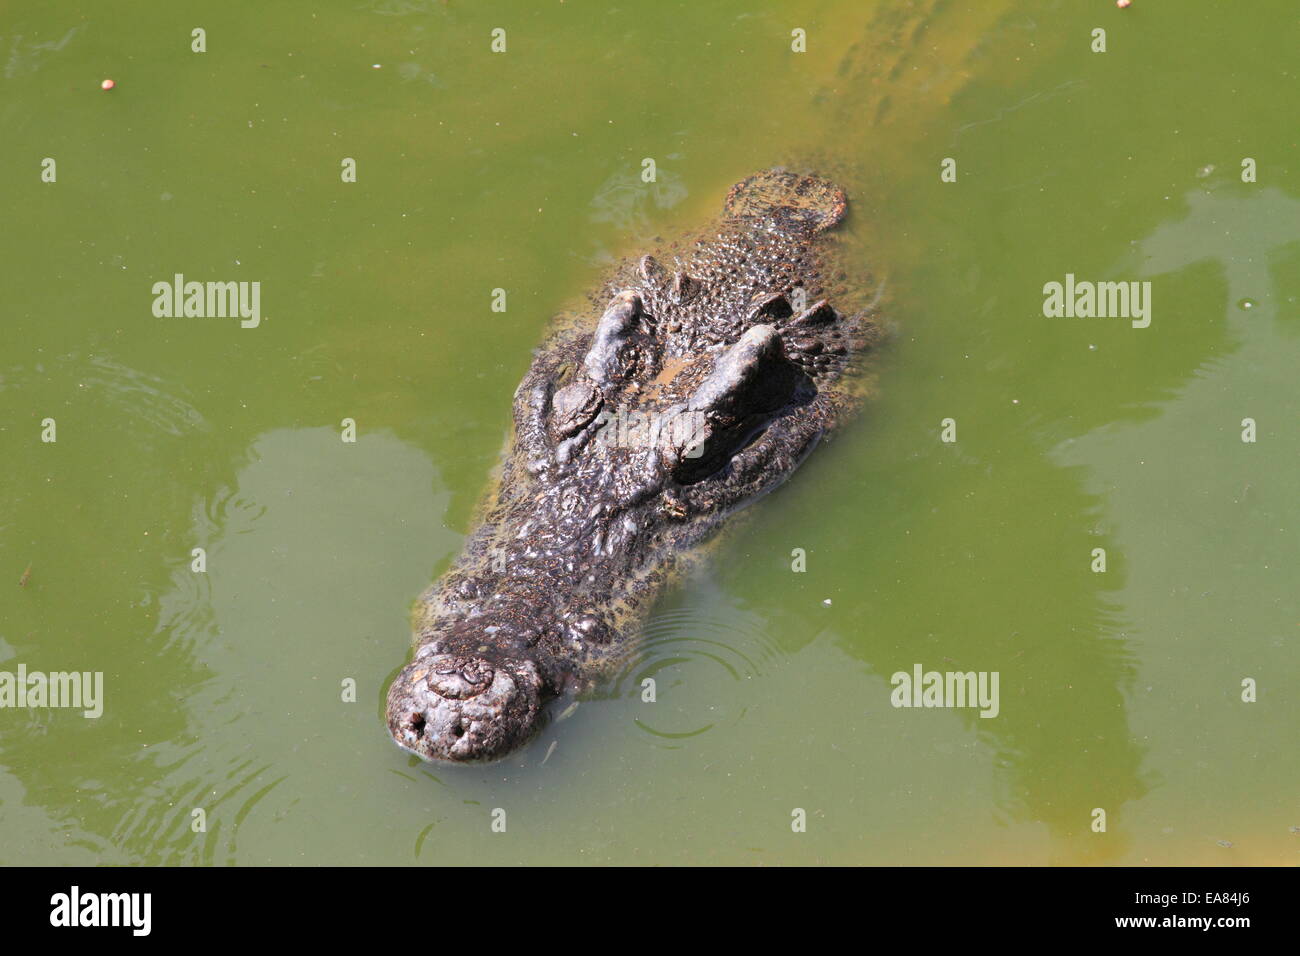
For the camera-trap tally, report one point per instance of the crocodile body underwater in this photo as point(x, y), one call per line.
point(682, 394)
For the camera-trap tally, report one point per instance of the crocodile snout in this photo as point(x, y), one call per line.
point(457, 679)
point(459, 708)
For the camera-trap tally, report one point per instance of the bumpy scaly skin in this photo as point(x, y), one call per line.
point(698, 389)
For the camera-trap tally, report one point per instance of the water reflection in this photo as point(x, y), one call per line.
point(233, 703)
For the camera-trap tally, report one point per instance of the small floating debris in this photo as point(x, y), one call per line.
point(1123, 4)
point(1246, 304)
point(107, 85)
point(827, 602)
point(22, 582)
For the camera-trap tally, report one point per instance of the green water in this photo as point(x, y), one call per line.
point(1120, 690)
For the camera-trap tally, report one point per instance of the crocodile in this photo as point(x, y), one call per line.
point(677, 396)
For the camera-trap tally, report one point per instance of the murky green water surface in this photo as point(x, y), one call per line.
point(476, 171)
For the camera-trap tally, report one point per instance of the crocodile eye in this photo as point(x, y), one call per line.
point(751, 380)
point(768, 307)
point(651, 271)
point(751, 377)
point(573, 408)
point(605, 361)
point(819, 313)
point(684, 287)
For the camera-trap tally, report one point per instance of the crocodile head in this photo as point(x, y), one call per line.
point(681, 396)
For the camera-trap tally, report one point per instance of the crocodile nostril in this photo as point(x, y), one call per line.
point(416, 723)
point(458, 730)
